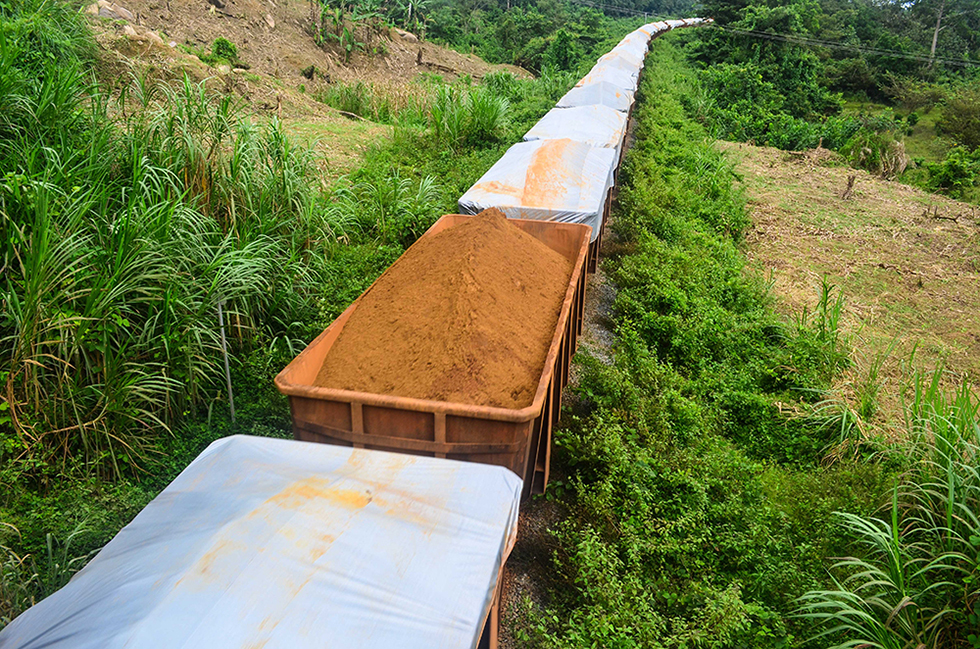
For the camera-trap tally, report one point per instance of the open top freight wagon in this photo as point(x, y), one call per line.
point(281, 544)
point(519, 439)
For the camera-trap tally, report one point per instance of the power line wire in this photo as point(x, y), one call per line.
point(607, 7)
point(816, 42)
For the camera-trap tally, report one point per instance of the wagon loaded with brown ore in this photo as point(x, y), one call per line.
point(460, 349)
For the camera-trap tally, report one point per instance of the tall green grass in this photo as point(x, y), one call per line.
point(392, 103)
point(914, 578)
point(464, 116)
point(456, 114)
point(124, 222)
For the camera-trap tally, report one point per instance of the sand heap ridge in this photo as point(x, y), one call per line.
point(465, 315)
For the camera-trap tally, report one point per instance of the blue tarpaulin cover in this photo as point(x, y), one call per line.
point(282, 544)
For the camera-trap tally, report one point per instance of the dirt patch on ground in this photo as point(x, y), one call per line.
point(907, 261)
point(465, 315)
point(274, 39)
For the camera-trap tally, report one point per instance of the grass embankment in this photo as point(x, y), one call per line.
point(696, 510)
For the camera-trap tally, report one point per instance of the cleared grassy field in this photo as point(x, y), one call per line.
point(908, 261)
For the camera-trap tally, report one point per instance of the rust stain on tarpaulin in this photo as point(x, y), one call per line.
point(301, 522)
point(403, 504)
point(318, 490)
point(295, 496)
point(391, 464)
point(299, 493)
point(548, 179)
point(497, 187)
point(205, 565)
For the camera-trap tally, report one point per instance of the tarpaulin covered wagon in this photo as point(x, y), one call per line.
point(600, 93)
point(596, 125)
point(622, 79)
point(620, 59)
point(549, 180)
point(654, 29)
point(636, 43)
point(287, 545)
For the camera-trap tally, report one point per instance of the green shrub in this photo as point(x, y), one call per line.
point(957, 173)
point(562, 53)
point(224, 52)
point(224, 49)
point(916, 94)
point(153, 222)
point(880, 152)
point(961, 117)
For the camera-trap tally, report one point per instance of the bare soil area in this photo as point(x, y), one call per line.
point(274, 39)
point(907, 261)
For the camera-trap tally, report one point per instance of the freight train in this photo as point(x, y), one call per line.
point(292, 544)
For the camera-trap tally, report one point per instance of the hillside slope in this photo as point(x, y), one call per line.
point(161, 38)
point(274, 39)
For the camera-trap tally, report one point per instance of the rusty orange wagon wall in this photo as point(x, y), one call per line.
point(517, 439)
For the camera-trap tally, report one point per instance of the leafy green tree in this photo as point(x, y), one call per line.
point(562, 53)
point(950, 28)
point(794, 70)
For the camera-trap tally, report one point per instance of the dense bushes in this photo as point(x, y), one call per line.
point(783, 93)
point(957, 173)
point(458, 115)
point(737, 103)
point(961, 117)
point(400, 103)
point(564, 37)
point(698, 510)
